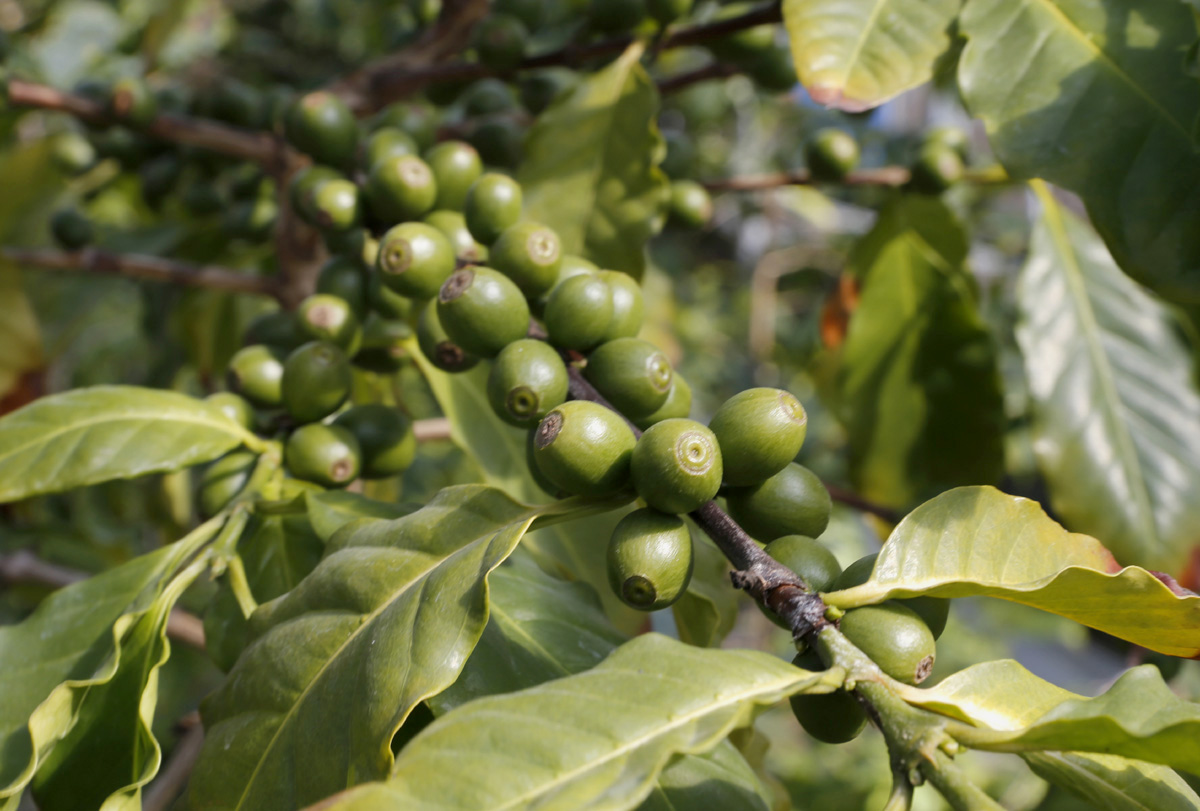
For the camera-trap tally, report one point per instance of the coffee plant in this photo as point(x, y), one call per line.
point(599, 404)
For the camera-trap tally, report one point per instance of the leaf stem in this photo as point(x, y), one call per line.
point(950, 781)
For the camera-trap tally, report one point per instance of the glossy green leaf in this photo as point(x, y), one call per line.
point(1095, 98)
point(1116, 413)
point(85, 436)
point(571, 743)
point(918, 388)
point(1005, 696)
point(591, 170)
point(707, 611)
point(540, 628)
point(20, 337)
point(721, 779)
point(856, 55)
point(386, 620)
point(979, 541)
point(330, 510)
point(87, 657)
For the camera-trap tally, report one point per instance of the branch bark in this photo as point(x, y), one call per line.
point(263, 148)
point(431, 430)
point(145, 267)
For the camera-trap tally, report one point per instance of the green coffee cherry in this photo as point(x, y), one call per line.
point(538, 89)
point(71, 229)
point(279, 329)
point(327, 455)
point(499, 141)
point(627, 305)
point(937, 168)
point(650, 560)
point(792, 502)
point(158, 177)
point(691, 206)
point(831, 154)
point(933, 611)
point(482, 310)
point(773, 70)
point(436, 345)
point(236, 408)
point(384, 346)
point(584, 448)
point(677, 405)
point(401, 188)
point(526, 381)
point(223, 480)
point(487, 97)
point(321, 125)
point(500, 41)
point(676, 466)
point(316, 381)
point(256, 373)
point(328, 318)
point(666, 12)
point(835, 717)
point(386, 301)
point(418, 119)
point(633, 375)
point(453, 226)
point(615, 16)
point(894, 637)
point(385, 437)
point(745, 45)
point(415, 259)
point(548, 487)
point(578, 312)
point(72, 153)
point(335, 205)
point(530, 254)
point(455, 165)
point(384, 143)
point(132, 103)
point(201, 199)
point(760, 431)
point(952, 138)
point(250, 219)
point(346, 279)
point(493, 203)
point(302, 189)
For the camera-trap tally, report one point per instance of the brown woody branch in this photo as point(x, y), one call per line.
point(395, 78)
point(713, 70)
point(25, 567)
point(431, 430)
point(263, 148)
point(145, 267)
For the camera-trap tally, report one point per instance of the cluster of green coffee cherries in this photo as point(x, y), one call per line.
point(939, 162)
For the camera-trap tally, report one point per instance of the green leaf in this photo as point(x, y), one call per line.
point(1071, 63)
point(20, 337)
point(330, 510)
point(592, 167)
point(386, 620)
point(918, 388)
point(540, 628)
point(86, 657)
point(98, 434)
point(979, 541)
point(707, 611)
point(594, 740)
point(1005, 696)
point(1116, 414)
point(721, 779)
point(857, 54)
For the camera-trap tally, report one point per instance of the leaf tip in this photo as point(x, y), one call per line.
point(834, 97)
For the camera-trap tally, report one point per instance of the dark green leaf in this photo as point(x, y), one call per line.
point(93, 435)
point(1116, 412)
point(331, 510)
point(1042, 73)
point(592, 167)
point(721, 779)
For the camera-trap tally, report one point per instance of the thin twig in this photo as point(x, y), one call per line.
point(174, 776)
point(299, 252)
point(145, 267)
point(390, 80)
point(25, 567)
point(263, 148)
point(432, 429)
point(852, 499)
point(713, 70)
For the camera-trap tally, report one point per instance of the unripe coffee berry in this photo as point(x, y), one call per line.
point(831, 154)
point(628, 306)
point(633, 375)
point(493, 204)
point(650, 559)
point(327, 455)
point(691, 205)
point(530, 254)
point(400, 187)
point(316, 381)
point(933, 611)
point(894, 637)
point(235, 407)
point(678, 405)
point(256, 373)
point(328, 318)
point(760, 431)
point(223, 480)
point(808, 558)
point(456, 165)
point(454, 227)
point(835, 717)
point(526, 381)
point(346, 279)
point(676, 466)
point(415, 259)
point(438, 347)
point(385, 438)
point(584, 448)
point(321, 125)
point(578, 312)
point(792, 502)
point(384, 143)
point(482, 310)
